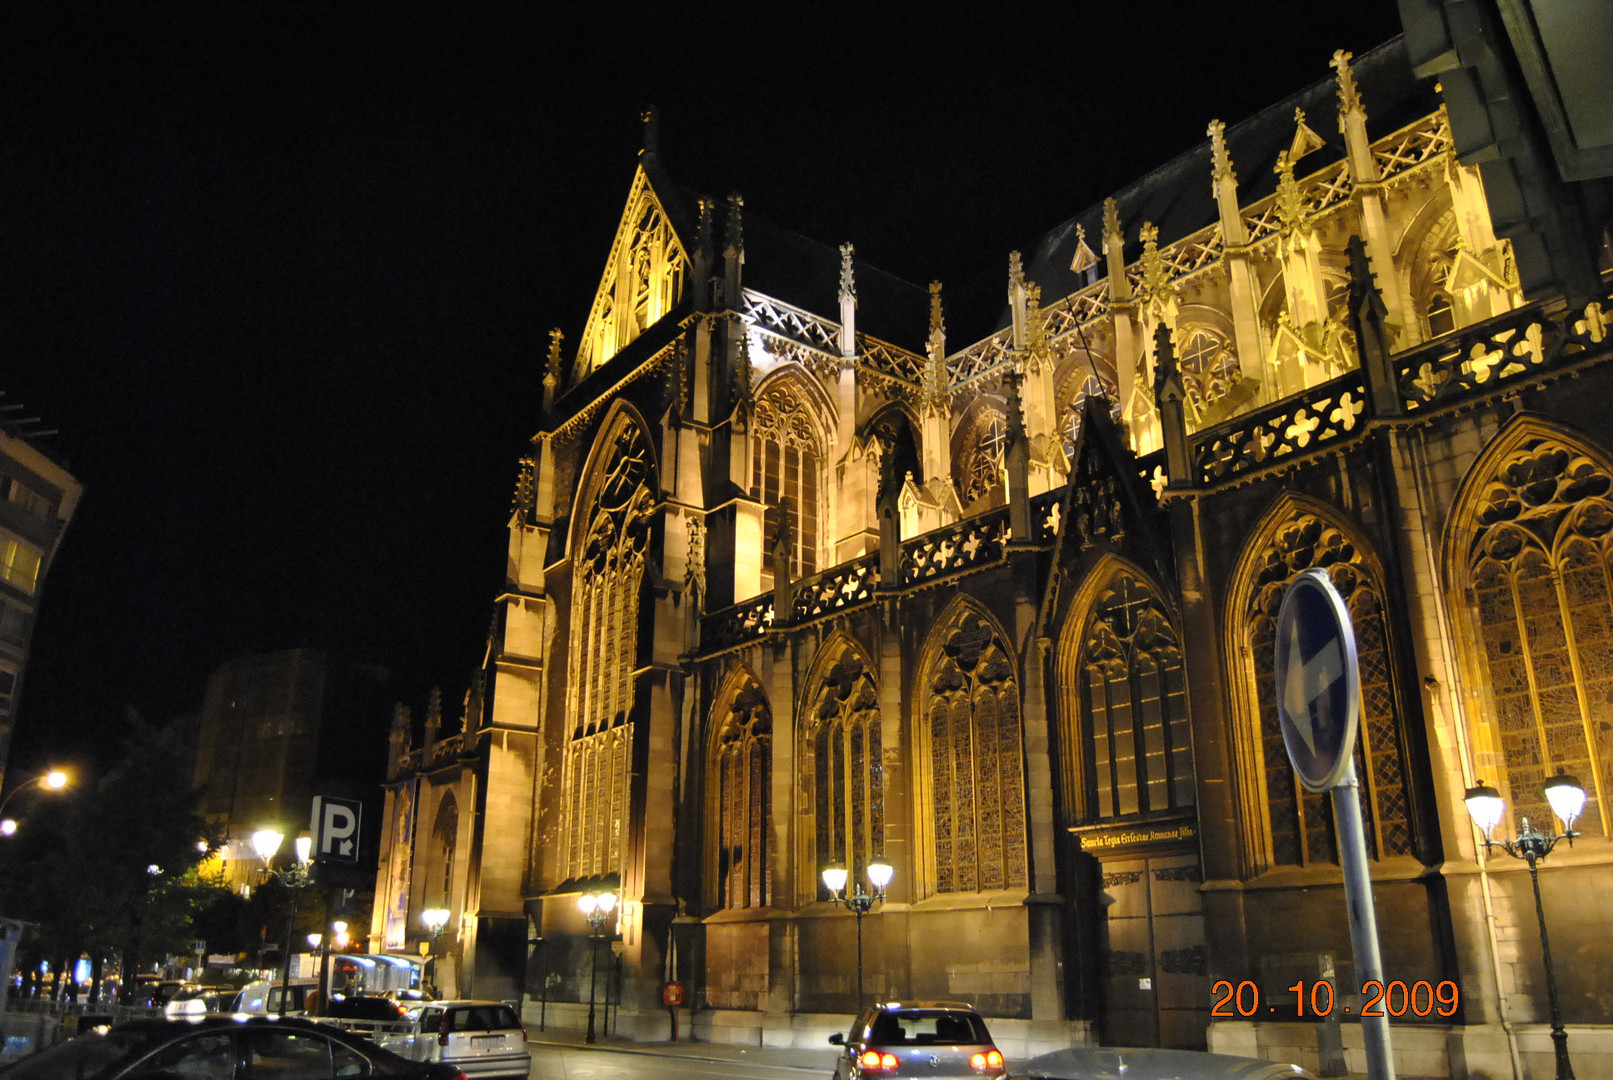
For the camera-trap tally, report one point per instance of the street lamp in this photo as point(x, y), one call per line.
point(1486, 807)
point(54, 780)
point(861, 903)
point(296, 877)
point(434, 919)
point(596, 908)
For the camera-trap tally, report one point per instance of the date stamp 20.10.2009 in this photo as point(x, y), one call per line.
point(1317, 1000)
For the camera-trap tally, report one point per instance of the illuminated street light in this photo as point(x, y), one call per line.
point(54, 780)
point(860, 903)
point(596, 908)
point(296, 877)
point(1486, 807)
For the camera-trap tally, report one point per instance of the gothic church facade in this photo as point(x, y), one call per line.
point(798, 575)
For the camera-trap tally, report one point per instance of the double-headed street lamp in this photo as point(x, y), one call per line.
point(1567, 799)
point(596, 908)
point(298, 876)
point(861, 903)
point(54, 780)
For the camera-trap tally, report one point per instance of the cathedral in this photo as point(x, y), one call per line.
point(811, 567)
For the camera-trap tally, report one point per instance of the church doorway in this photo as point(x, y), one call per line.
point(1153, 989)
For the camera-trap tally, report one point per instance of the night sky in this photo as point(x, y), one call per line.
point(281, 274)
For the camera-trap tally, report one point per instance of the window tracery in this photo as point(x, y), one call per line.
point(1071, 427)
point(972, 740)
point(1301, 824)
point(1129, 707)
point(1209, 368)
point(841, 760)
point(643, 280)
point(604, 655)
point(1540, 565)
point(981, 471)
point(786, 471)
point(741, 771)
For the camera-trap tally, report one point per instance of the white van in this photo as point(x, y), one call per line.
point(483, 1039)
point(264, 998)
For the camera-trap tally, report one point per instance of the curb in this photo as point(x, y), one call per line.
point(646, 1051)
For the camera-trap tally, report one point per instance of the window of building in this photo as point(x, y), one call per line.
point(971, 741)
point(1130, 706)
point(609, 577)
point(742, 770)
point(841, 759)
point(1540, 571)
point(25, 497)
point(786, 472)
point(1209, 368)
point(19, 564)
point(1301, 823)
point(13, 623)
point(981, 471)
point(1441, 316)
point(8, 685)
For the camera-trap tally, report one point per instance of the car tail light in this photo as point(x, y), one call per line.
point(523, 1036)
point(990, 1061)
point(874, 1061)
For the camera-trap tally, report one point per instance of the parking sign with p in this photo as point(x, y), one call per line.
point(334, 827)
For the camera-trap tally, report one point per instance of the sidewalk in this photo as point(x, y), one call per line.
point(821, 1062)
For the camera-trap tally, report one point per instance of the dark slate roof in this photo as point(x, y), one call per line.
point(805, 273)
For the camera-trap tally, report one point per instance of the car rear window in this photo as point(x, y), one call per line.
point(482, 1018)
point(915, 1028)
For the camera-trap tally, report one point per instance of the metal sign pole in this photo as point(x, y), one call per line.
point(1363, 918)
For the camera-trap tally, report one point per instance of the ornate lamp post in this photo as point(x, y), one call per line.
point(54, 780)
point(596, 908)
point(434, 920)
point(296, 877)
point(861, 903)
point(1567, 799)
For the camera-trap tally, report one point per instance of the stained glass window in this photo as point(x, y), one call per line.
point(1302, 823)
point(742, 768)
point(604, 656)
point(976, 775)
point(1540, 566)
point(842, 756)
point(786, 464)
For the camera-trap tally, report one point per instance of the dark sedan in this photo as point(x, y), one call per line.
point(1120, 1063)
point(222, 1048)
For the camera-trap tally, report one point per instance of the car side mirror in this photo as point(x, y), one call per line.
point(837, 1039)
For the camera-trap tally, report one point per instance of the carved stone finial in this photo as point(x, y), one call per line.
point(1220, 159)
point(1113, 242)
point(1290, 203)
point(848, 280)
point(1035, 325)
point(937, 319)
point(742, 374)
point(1084, 258)
point(526, 486)
point(736, 227)
point(1349, 93)
point(1155, 276)
point(652, 126)
point(1167, 377)
point(551, 374)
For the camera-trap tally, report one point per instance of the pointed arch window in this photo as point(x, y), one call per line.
point(980, 470)
point(444, 840)
point(604, 657)
point(1129, 707)
point(1540, 570)
point(741, 772)
point(1209, 368)
point(841, 760)
point(1301, 824)
point(787, 472)
point(1076, 409)
point(971, 746)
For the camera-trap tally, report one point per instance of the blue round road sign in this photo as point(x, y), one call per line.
point(1318, 685)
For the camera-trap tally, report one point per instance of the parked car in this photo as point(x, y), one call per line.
point(1103, 1062)
point(929, 1039)
point(480, 1038)
point(364, 1007)
point(219, 1048)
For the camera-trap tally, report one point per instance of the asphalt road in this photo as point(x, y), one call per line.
point(565, 1063)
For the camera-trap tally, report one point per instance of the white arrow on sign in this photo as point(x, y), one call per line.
point(1308, 682)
